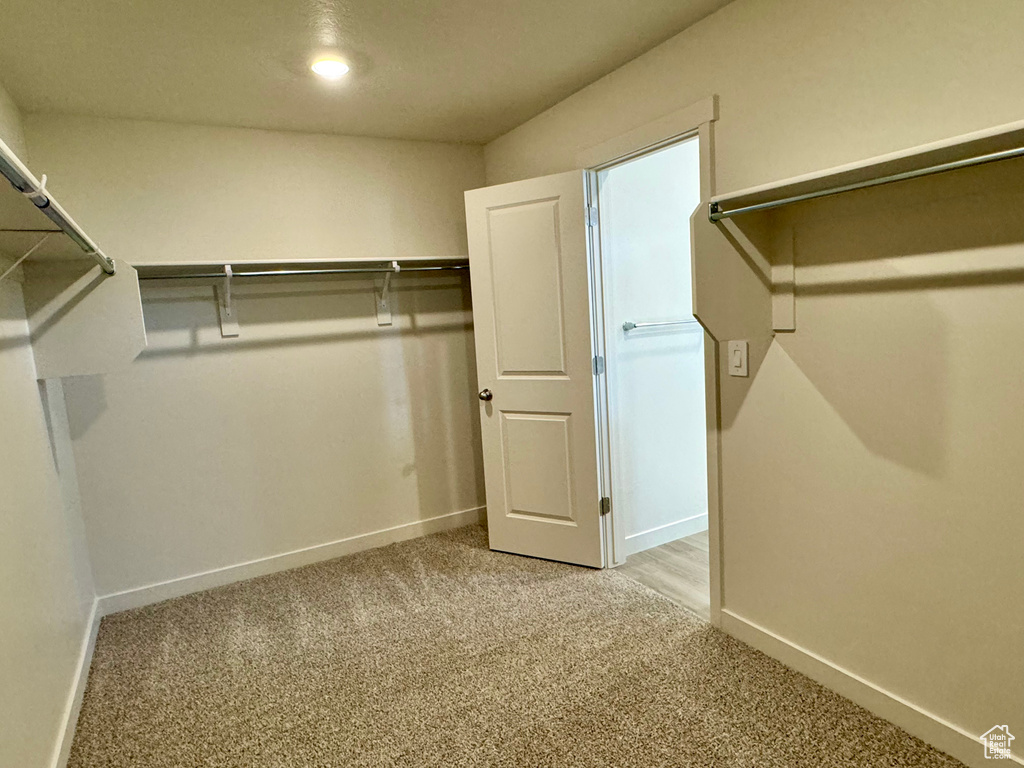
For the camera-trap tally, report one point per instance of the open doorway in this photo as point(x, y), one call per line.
point(543, 369)
point(654, 348)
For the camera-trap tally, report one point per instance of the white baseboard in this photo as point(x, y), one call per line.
point(62, 750)
point(928, 727)
point(663, 534)
point(155, 593)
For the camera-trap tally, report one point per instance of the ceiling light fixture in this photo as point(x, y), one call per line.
point(329, 68)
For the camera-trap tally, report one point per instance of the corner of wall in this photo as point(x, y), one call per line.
point(52, 603)
point(69, 722)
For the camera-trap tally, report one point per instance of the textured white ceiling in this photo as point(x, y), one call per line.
point(451, 70)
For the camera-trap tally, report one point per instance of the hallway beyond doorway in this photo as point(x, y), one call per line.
point(678, 570)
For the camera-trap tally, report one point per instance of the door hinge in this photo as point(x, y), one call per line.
point(606, 505)
point(591, 215)
point(598, 365)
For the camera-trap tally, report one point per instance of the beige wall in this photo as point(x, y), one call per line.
point(879, 447)
point(162, 192)
point(316, 424)
point(871, 491)
point(804, 85)
point(11, 132)
point(46, 591)
point(13, 135)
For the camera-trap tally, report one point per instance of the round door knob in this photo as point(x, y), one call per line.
point(486, 394)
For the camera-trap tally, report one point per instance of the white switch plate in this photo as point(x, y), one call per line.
point(738, 358)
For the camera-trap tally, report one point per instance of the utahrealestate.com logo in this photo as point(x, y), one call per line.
point(997, 743)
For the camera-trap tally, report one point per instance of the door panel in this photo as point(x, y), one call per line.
point(538, 466)
point(525, 263)
point(529, 267)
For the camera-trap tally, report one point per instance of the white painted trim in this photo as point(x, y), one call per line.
point(62, 749)
point(712, 399)
point(155, 593)
point(878, 165)
point(663, 534)
point(645, 138)
point(940, 733)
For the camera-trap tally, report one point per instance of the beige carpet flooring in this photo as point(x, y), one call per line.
point(438, 652)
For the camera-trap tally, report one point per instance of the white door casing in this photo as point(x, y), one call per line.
point(530, 273)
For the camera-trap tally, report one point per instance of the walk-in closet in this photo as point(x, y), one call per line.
point(447, 384)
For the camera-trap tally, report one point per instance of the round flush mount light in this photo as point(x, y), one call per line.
point(329, 68)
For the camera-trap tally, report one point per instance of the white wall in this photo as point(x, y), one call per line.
point(656, 375)
point(315, 425)
point(46, 594)
point(871, 499)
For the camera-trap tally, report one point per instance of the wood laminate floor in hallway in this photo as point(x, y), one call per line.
point(678, 570)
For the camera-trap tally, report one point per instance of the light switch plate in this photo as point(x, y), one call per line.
point(738, 358)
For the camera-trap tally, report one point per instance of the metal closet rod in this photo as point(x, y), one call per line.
point(629, 325)
point(716, 213)
point(23, 181)
point(286, 272)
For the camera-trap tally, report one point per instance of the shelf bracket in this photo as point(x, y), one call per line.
point(228, 318)
point(783, 282)
point(383, 296)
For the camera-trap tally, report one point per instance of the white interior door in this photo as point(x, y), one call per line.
point(529, 265)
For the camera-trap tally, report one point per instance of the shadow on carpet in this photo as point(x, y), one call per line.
point(439, 652)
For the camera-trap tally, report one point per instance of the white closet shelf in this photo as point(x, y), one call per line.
point(84, 316)
point(22, 225)
point(28, 212)
point(173, 270)
point(993, 144)
point(224, 273)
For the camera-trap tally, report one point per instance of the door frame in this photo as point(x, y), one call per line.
point(694, 120)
